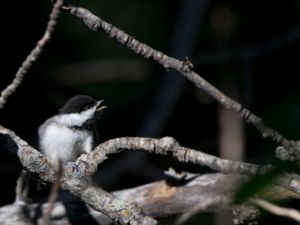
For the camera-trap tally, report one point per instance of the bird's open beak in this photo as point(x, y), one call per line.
point(99, 107)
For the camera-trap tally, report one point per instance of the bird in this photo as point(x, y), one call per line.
point(72, 132)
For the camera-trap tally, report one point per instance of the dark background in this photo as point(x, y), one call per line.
point(248, 49)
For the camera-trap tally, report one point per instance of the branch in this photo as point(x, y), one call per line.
point(34, 54)
point(185, 68)
point(77, 180)
point(169, 146)
point(86, 164)
point(277, 210)
point(153, 197)
point(73, 181)
point(174, 199)
point(163, 146)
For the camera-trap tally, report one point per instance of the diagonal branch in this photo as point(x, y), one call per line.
point(185, 68)
point(34, 54)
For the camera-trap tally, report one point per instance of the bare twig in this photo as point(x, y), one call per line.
point(168, 145)
point(277, 210)
point(164, 146)
point(34, 54)
point(185, 68)
point(53, 195)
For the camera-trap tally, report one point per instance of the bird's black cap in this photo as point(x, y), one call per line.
point(78, 104)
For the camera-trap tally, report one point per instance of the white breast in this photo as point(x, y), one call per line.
point(59, 142)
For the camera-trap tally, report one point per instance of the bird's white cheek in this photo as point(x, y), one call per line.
point(76, 119)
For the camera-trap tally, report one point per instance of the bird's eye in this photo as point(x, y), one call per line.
point(86, 107)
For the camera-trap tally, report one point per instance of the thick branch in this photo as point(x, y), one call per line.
point(73, 181)
point(185, 68)
point(34, 54)
point(154, 197)
point(174, 199)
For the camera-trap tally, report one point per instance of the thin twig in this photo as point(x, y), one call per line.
point(53, 195)
point(34, 54)
point(185, 68)
point(277, 210)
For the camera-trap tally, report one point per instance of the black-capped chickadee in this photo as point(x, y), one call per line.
point(65, 136)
